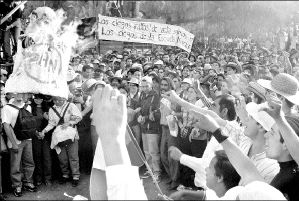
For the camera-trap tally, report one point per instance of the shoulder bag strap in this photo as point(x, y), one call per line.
point(56, 112)
point(11, 105)
point(65, 110)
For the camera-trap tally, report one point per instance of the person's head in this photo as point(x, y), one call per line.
point(58, 101)
point(176, 82)
point(192, 95)
point(129, 62)
point(21, 97)
point(146, 84)
point(275, 145)
point(224, 106)
point(123, 90)
point(161, 73)
point(185, 72)
point(165, 58)
point(115, 82)
point(133, 85)
point(166, 85)
point(230, 70)
point(38, 99)
point(4, 75)
point(221, 174)
point(185, 85)
point(87, 71)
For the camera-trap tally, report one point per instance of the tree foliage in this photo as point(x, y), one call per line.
point(203, 18)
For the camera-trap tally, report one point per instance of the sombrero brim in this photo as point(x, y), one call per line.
point(267, 84)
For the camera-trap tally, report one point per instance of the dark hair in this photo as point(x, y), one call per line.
point(259, 99)
point(224, 169)
point(293, 120)
point(169, 81)
point(85, 67)
point(289, 103)
point(228, 101)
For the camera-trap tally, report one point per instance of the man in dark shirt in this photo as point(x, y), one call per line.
point(11, 27)
point(287, 180)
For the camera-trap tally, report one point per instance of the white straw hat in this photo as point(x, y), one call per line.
point(283, 84)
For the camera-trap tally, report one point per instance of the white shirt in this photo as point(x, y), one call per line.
point(72, 111)
point(268, 168)
point(231, 194)
point(231, 129)
point(9, 115)
point(123, 183)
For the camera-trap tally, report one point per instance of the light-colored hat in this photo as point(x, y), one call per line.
point(71, 75)
point(187, 80)
point(207, 67)
point(258, 190)
point(159, 62)
point(261, 117)
point(137, 65)
point(87, 84)
point(283, 84)
point(134, 80)
point(147, 79)
point(3, 72)
point(257, 89)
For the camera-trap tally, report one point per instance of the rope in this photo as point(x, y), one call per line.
point(139, 151)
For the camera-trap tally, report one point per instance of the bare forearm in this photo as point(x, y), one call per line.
point(9, 133)
point(241, 163)
point(115, 153)
point(290, 138)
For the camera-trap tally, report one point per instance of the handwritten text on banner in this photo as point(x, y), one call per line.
point(118, 29)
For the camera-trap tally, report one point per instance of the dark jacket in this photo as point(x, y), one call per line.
point(134, 103)
point(150, 101)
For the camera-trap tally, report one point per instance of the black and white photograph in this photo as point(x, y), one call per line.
point(149, 100)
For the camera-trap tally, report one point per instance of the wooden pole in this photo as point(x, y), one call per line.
point(12, 12)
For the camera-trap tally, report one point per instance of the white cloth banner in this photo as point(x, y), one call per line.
point(118, 29)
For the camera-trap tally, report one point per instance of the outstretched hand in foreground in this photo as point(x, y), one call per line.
point(110, 117)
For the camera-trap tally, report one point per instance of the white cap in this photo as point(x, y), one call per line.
point(261, 117)
point(147, 79)
point(187, 80)
point(159, 62)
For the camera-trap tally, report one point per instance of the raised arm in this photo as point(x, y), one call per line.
point(289, 136)
point(241, 163)
point(173, 97)
point(121, 179)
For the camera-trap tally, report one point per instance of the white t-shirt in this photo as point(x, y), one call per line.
point(9, 115)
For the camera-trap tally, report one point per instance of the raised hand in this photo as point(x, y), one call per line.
point(206, 122)
point(110, 113)
point(241, 109)
point(274, 109)
point(172, 96)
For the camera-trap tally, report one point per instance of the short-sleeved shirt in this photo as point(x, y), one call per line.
point(9, 115)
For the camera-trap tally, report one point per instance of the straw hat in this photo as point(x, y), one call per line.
point(283, 84)
point(257, 89)
point(87, 84)
point(262, 117)
point(134, 80)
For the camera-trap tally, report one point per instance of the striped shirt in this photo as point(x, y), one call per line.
point(268, 168)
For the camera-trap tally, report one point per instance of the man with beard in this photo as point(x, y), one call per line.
point(171, 166)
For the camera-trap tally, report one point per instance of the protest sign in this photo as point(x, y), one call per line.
point(118, 29)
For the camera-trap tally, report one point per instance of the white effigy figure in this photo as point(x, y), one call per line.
point(42, 59)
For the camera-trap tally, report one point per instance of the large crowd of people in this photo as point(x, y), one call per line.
point(228, 85)
point(218, 122)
